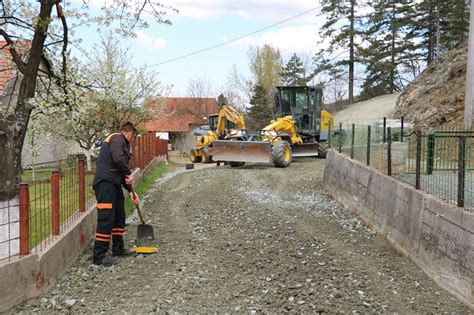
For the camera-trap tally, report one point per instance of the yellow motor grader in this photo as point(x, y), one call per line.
point(228, 122)
point(300, 129)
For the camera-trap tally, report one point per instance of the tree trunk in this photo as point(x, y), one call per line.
point(351, 55)
point(13, 128)
point(88, 160)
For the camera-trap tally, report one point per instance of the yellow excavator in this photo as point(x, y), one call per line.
point(300, 129)
point(226, 123)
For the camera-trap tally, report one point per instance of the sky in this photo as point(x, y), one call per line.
point(207, 23)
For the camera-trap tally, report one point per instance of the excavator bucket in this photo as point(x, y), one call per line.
point(242, 151)
point(305, 149)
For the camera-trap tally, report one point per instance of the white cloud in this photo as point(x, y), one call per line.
point(301, 39)
point(266, 10)
point(148, 42)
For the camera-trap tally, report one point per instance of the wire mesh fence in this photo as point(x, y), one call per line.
point(52, 197)
point(438, 162)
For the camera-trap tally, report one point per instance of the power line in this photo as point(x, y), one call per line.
point(235, 39)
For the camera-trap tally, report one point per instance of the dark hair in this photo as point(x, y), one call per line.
point(127, 127)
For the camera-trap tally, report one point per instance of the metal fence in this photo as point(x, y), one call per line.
point(438, 162)
point(38, 211)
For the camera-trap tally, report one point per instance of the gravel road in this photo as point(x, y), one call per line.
point(250, 240)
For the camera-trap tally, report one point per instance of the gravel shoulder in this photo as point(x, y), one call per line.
point(251, 239)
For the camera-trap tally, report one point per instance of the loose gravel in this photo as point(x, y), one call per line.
point(255, 239)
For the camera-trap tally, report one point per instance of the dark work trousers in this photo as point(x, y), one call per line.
point(110, 219)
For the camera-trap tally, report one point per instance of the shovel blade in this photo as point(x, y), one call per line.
point(145, 231)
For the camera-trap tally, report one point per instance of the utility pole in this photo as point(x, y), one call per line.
point(469, 96)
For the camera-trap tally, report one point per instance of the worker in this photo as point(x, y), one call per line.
point(111, 174)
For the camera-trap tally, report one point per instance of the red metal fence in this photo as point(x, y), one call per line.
point(38, 211)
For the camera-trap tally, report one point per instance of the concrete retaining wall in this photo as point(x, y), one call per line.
point(30, 276)
point(33, 275)
point(437, 236)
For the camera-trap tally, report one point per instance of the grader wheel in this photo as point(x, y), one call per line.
point(281, 154)
point(323, 149)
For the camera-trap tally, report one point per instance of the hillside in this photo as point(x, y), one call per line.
point(369, 111)
point(436, 97)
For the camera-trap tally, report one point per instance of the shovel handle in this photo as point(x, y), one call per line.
point(138, 208)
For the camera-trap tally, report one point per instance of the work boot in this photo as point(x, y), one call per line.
point(106, 261)
point(125, 253)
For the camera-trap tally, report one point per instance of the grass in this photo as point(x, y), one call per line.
point(145, 184)
point(40, 197)
point(40, 202)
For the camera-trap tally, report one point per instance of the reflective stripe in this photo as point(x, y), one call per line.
point(102, 235)
point(118, 229)
point(117, 233)
point(104, 206)
point(102, 239)
point(110, 136)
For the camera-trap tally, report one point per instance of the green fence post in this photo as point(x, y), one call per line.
point(418, 160)
point(368, 145)
point(352, 141)
point(329, 134)
point(461, 170)
point(430, 154)
point(384, 138)
point(340, 137)
point(389, 151)
point(401, 131)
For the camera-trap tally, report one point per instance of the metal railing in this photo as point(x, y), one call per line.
point(438, 162)
point(38, 211)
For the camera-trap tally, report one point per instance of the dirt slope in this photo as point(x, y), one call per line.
point(436, 97)
point(255, 239)
point(369, 111)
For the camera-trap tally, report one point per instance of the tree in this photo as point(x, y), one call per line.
point(441, 26)
point(341, 31)
point(266, 66)
point(259, 112)
point(237, 89)
point(114, 92)
point(294, 72)
point(391, 48)
point(34, 21)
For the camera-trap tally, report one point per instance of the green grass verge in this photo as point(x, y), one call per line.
point(145, 184)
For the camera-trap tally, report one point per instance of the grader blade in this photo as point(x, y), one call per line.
point(305, 149)
point(241, 151)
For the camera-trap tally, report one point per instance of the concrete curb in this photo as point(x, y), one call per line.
point(437, 236)
point(35, 274)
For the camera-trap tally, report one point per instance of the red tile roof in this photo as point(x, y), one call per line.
point(179, 113)
point(7, 67)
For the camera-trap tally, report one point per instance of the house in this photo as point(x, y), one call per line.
point(10, 80)
point(177, 117)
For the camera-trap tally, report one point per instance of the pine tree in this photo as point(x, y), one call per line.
point(222, 100)
point(342, 36)
point(294, 73)
point(441, 25)
point(391, 48)
point(259, 112)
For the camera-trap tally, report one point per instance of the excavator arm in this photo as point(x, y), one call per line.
point(283, 124)
point(228, 114)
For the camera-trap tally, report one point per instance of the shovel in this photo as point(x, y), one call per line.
point(143, 230)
